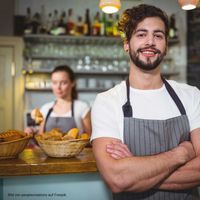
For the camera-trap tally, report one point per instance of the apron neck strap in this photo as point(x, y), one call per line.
point(174, 96)
point(127, 109)
point(72, 108)
point(48, 114)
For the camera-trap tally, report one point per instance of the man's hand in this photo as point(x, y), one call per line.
point(118, 150)
point(186, 151)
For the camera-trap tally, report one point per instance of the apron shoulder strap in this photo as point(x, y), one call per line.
point(174, 97)
point(127, 109)
point(48, 114)
point(72, 108)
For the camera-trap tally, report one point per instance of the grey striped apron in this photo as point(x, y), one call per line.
point(148, 137)
point(63, 123)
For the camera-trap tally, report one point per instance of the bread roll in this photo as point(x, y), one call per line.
point(36, 115)
point(11, 135)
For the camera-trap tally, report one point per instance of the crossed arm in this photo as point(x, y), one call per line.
point(188, 175)
point(172, 170)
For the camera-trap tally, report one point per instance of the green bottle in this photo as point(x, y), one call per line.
point(103, 25)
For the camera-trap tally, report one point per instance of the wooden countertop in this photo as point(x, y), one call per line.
point(32, 161)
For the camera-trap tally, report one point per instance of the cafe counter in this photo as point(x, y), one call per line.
point(32, 161)
point(33, 175)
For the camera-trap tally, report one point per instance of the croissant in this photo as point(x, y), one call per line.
point(37, 116)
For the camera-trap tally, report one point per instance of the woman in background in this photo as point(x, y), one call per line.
point(66, 111)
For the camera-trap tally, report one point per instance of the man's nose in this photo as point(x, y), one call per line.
point(150, 40)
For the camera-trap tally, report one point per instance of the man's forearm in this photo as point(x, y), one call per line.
point(147, 172)
point(138, 174)
point(187, 176)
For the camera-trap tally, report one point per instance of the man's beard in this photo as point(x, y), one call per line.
point(148, 65)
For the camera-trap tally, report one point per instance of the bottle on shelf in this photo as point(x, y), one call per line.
point(61, 24)
point(87, 24)
point(70, 24)
point(109, 27)
point(36, 23)
point(80, 26)
point(115, 26)
point(55, 19)
point(103, 24)
point(96, 26)
point(49, 23)
point(28, 22)
point(43, 27)
point(173, 32)
point(58, 26)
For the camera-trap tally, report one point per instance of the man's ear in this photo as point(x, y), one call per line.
point(126, 46)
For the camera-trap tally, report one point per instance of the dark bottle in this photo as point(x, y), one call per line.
point(172, 27)
point(87, 24)
point(49, 23)
point(36, 23)
point(70, 24)
point(43, 27)
point(28, 22)
point(61, 23)
point(55, 19)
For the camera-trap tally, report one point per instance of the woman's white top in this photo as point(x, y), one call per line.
point(81, 108)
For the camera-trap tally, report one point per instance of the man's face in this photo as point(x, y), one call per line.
point(147, 46)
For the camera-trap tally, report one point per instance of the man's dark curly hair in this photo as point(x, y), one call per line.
point(130, 18)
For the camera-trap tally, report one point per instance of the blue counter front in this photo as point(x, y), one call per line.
point(81, 186)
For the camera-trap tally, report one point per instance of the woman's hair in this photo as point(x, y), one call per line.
point(130, 18)
point(69, 71)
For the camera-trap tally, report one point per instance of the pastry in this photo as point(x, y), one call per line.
point(37, 116)
point(11, 135)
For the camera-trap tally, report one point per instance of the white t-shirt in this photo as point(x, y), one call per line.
point(107, 115)
point(81, 108)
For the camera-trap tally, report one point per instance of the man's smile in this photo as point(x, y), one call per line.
point(149, 52)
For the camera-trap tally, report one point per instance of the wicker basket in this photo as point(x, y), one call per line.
point(62, 149)
point(12, 148)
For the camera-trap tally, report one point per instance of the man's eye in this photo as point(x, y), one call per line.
point(141, 35)
point(159, 36)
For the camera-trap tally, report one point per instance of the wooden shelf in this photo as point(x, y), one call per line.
point(73, 39)
point(78, 89)
point(96, 73)
point(100, 73)
point(67, 58)
point(38, 89)
point(97, 40)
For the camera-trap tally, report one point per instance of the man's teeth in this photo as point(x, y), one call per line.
point(148, 52)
